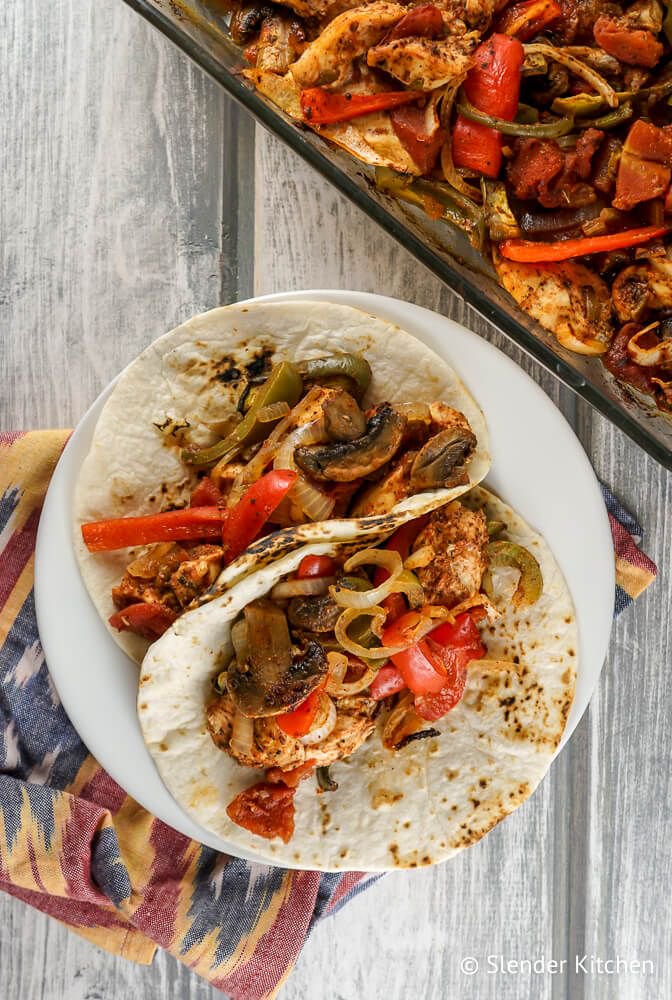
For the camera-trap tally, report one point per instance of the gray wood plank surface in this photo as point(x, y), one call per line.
point(126, 206)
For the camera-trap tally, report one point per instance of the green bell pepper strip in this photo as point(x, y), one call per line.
point(350, 366)
point(540, 130)
point(283, 385)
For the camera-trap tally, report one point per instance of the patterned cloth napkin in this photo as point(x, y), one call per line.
point(75, 846)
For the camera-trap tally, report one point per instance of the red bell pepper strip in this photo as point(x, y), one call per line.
point(528, 251)
point(424, 21)
point(264, 809)
point(206, 494)
point(300, 720)
point(313, 567)
point(148, 620)
point(190, 524)
point(525, 20)
point(387, 681)
point(244, 521)
point(322, 107)
point(492, 86)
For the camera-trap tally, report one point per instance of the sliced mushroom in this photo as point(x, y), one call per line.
point(344, 461)
point(272, 680)
point(441, 461)
point(247, 20)
point(314, 614)
point(343, 419)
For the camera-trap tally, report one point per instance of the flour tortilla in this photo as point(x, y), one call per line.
point(133, 468)
point(413, 807)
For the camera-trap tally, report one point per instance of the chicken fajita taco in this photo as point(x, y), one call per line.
point(251, 430)
point(369, 706)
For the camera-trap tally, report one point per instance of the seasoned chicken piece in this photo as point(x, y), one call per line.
point(196, 574)
point(132, 590)
point(280, 42)
point(425, 63)
point(272, 748)
point(329, 58)
point(568, 299)
point(458, 537)
point(380, 497)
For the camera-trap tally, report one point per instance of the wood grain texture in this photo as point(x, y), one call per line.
point(126, 206)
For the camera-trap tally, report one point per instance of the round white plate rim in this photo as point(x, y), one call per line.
point(64, 631)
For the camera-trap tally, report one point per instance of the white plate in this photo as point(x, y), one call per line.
point(538, 467)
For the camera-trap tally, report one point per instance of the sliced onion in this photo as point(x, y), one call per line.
point(428, 617)
point(402, 721)
point(450, 172)
point(577, 67)
point(475, 601)
point(338, 668)
point(314, 587)
point(242, 735)
point(346, 689)
point(240, 641)
point(255, 467)
point(146, 566)
point(315, 504)
point(389, 560)
point(274, 411)
point(322, 731)
point(660, 354)
point(342, 637)
point(414, 412)
point(421, 557)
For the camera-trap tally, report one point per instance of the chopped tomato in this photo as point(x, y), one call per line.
point(301, 720)
point(455, 645)
point(434, 666)
point(206, 494)
point(387, 681)
point(423, 146)
point(422, 671)
point(189, 524)
point(322, 107)
point(424, 21)
point(435, 705)
point(492, 86)
point(525, 20)
point(148, 620)
point(529, 251)
point(290, 778)
point(639, 180)
point(649, 142)
point(633, 46)
point(244, 521)
point(315, 566)
point(265, 809)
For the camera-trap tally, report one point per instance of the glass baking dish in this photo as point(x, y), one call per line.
point(198, 28)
